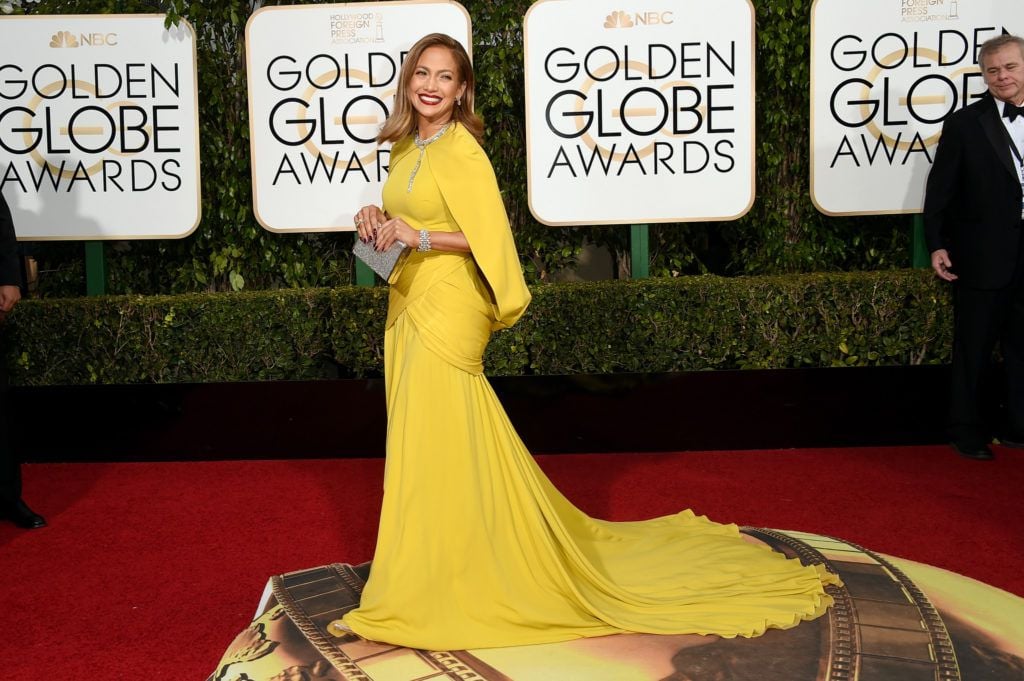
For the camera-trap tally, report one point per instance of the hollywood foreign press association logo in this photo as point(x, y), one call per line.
point(929, 10)
point(621, 19)
point(357, 27)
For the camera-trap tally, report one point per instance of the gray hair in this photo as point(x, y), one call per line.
point(995, 44)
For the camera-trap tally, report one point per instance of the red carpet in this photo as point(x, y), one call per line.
point(149, 570)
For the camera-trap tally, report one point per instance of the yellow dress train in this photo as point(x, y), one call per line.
point(476, 548)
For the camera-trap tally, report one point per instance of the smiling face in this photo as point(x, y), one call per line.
point(1003, 71)
point(434, 86)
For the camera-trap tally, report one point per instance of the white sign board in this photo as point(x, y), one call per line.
point(639, 111)
point(99, 134)
point(322, 80)
point(884, 75)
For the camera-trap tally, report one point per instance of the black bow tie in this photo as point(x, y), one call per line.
point(1010, 111)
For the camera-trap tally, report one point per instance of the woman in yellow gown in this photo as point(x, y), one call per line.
point(476, 548)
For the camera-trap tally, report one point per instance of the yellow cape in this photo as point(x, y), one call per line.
point(470, 191)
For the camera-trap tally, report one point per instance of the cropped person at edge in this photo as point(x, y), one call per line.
point(11, 505)
point(973, 217)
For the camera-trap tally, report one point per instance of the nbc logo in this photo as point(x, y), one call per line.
point(68, 39)
point(618, 19)
point(63, 39)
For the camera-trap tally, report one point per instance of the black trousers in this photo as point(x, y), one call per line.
point(10, 467)
point(982, 318)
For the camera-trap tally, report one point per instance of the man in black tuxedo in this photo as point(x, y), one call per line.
point(974, 218)
point(11, 505)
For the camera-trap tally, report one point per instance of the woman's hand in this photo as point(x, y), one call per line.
point(394, 230)
point(367, 221)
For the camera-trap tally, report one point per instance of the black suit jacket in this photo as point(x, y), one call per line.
point(973, 199)
point(10, 269)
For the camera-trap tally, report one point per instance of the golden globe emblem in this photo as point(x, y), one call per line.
point(635, 113)
point(937, 97)
point(72, 130)
point(369, 118)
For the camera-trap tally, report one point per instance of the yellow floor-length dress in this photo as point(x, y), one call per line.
point(476, 548)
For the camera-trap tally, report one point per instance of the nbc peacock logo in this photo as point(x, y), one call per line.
point(63, 39)
point(618, 19)
point(94, 39)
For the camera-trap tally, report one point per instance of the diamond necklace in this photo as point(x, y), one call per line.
point(422, 146)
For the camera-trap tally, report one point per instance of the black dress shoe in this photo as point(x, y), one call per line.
point(23, 516)
point(976, 452)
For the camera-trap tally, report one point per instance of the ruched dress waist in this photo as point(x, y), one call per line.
point(446, 299)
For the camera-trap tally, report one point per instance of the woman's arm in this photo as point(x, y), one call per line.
point(398, 229)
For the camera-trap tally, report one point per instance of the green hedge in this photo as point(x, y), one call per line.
point(782, 233)
point(689, 323)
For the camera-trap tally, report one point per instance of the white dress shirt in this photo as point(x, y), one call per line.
point(1016, 130)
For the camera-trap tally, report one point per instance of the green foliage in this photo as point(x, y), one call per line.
point(501, 102)
point(357, 330)
point(783, 232)
point(680, 324)
point(168, 339)
point(710, 322)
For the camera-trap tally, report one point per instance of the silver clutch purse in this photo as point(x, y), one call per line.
point(381, 262)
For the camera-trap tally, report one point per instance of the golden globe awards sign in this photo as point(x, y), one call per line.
point(98, 127)
point(884, 75)
point(639, 111)
point(322, 80)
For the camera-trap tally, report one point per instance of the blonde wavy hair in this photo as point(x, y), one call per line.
point(402, 121)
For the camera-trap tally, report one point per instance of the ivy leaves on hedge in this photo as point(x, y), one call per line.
point(658, 325)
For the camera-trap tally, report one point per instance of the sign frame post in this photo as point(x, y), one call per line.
point(639, 252)
point(364, 276)
point(919, 255)
point(95, 269)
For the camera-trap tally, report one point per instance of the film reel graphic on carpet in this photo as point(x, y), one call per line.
point(893, 620)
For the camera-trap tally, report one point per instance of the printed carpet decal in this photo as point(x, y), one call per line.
point(894, 620)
